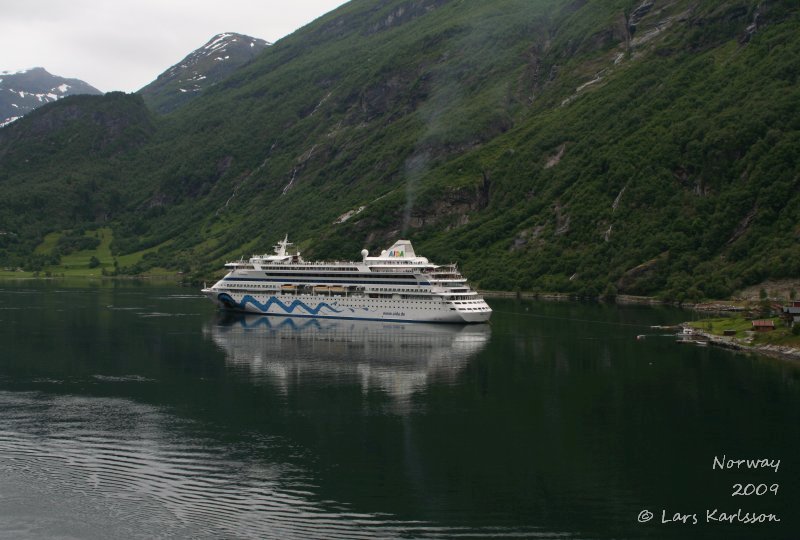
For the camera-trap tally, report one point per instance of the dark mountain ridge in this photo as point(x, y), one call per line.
point(638, 147)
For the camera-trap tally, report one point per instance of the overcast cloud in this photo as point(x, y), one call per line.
point(126, 44)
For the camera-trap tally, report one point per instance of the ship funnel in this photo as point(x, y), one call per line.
point(402, 249)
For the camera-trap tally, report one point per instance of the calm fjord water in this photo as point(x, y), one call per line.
point(138, 411)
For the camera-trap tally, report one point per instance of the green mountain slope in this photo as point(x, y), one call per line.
point(67, 166)
point(589, 147)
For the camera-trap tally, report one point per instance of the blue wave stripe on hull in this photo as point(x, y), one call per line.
point(365, 319)
point(228, 301)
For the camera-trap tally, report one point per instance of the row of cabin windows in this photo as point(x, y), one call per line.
point(415, 302)
point(281, 270)
point(314, 275)
point(387, 289)
point(327, 281)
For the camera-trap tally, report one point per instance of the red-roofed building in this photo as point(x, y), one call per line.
point(763, 325)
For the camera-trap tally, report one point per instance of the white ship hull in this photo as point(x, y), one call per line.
point(355, 308)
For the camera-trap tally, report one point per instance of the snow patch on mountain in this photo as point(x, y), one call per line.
point(9, 120)
point(218, 41)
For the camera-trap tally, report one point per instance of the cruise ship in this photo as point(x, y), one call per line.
point(396, 285)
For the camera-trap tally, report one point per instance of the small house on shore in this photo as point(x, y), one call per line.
point(791, 313)
point(763, 325)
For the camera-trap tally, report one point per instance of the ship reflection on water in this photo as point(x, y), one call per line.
point(397, 358)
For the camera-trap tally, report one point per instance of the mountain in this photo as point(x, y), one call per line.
point(205, 67)
point(23, 91)
point(545, 145)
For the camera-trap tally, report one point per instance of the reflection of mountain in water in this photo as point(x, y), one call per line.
point(399, 358)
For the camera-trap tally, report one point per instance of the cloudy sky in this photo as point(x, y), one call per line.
point(125, 44)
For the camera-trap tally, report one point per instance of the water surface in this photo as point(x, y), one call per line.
point(138, 411)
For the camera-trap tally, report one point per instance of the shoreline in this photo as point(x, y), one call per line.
point(780, 352)
point(619, 299)
point(568, 297)
point(166, 278)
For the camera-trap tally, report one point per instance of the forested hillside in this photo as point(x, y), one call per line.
point(587, 147)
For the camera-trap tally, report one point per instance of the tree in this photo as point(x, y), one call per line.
point(610, 294)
